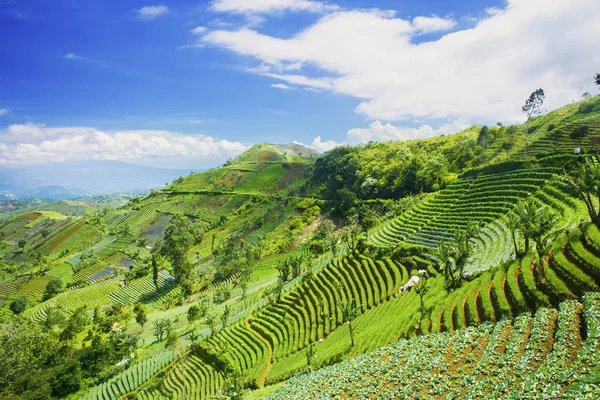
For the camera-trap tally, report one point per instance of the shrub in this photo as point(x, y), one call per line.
point(586, 108)
point(54, 287)
point(318, 247)
point(17, 306)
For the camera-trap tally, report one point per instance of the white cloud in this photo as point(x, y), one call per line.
point(199, 30)
point(379, 132)
point(5, 111)
point(72, 56)
point(36, 144)
point(432, 24)
point(151, 12)
point(271, 6)
point(480, 74)
point(281, 86)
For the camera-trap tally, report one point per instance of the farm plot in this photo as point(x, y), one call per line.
point(130, 379)
point(157, 229)
point(513, 358)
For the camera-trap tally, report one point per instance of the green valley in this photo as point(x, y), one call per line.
point(460, 266)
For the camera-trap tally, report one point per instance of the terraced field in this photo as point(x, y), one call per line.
point(486, 199)
point(132, 378)
point(537, 356)
point(108, 292)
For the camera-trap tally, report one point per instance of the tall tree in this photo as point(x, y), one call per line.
point(140, 314)
point(366, 219)
point(532, 107)
point(310, 356)
point(462, 247)
point(445, 263)
point(597, 79)
point(349, 312)
point(542, 234)
point(586, 181)
point(155, 270)
point(421, 289)
point(179, 237)
point(512, 224)
point(526, 212)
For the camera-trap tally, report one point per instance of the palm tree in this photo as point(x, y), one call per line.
point(542, 233)
point(586, 181)
point(526, 212)
point(421, 288)
point(445, 262)
point(461, 249)
point(349, 313)
point(513, 225)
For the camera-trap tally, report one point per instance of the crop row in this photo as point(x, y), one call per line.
point(523, 358)
point(131, 378)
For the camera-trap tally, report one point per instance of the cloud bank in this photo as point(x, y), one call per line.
point(271, 6)
point(479, 71)
point(28, 144)
point(151, 12)
point(380, 132)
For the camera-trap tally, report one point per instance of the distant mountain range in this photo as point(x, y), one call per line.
point(72, 180)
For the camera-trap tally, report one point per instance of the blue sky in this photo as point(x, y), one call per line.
point(118, 67)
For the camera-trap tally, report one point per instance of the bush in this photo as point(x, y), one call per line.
point(54, 287)
point(586, 108)
point(17, 306)
point(507, 145)
point(317, 247)
point(551, 127)
point(580, 132)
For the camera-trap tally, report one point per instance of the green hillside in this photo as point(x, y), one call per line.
point(282, 274)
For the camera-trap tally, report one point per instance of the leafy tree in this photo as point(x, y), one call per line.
point(586, 181)
point(56, 318)
point(22, 243)
point(244, 287)
point(310, 355)
point(193, 313)
point(155, 270)
point(225, 316)
point(537, 224)
point(140, 315)
point(445, 263)
point(75, 324)
point(332, 243)
point(421, 289)
point(349, 312)
point(27, 351)
point(462, 247)
point(586, 95)
point(54, 287)
point(597, 79)
point(211, 321)
point(203, 306)
point(161, 326)
point(284, 270)
point(542, 233)
point(366, 218)
point(187, 288)
point(18, 305)
point(179, 237)
point(513, 225)
point(532, 107)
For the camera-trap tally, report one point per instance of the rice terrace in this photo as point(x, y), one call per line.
point(395, 262)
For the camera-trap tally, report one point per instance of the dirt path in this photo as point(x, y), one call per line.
point(263, 375)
